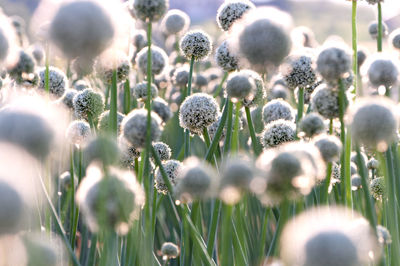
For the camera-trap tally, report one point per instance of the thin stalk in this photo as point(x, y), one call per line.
point(189, 91)
point(235, 136)
point(127, 97)
point(283, 217)
point(379, 39)
point(254, 141)
point(354, 44)
point(226, 245)
point(212, 230)
point(46, 71)
point(263, 235)
point(218, 90)
point(227, 143)
point(325, 192)
point(113, 105)
point(300, 107)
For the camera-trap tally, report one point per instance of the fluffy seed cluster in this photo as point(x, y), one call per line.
point(175, 22)
point(300, 73)
point(161, 107)
point(383, 72)
point(277, 109)
point(151, 10)
point(121, 66)
point(278, 91)
point(159, 60)
point(169, 250)
point(171, 169)
point(134, 127)
point(11, 209)
point(88, 103)
point(333, 63)
point(104, 121)
point(163, 150)
point(140, 90)
point(329, 146)
point(378, 187)
point(231, 11)
point(240, 85)
point(102, 149)
point(196, 44)
point(78, 132)
point(260, 94)
point(225, 59)
point(212, 129)
point(197, 112)
point(181, 76)
point(373, 30)
point(373, 164)
point(81, 28)
point(325, 101)
point(139, 39)
point(57, 81)
point(312, 124)
point(278, 132)
point(23, 65)
point(68, 98)
point(384, 236)
point(395, 39)
point(128, 153)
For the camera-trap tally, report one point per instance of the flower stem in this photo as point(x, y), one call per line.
point(227, 143)
point(127, 97)
point(354, 44)
point(380, 34)
point(218, 90)
point(212, 230)
point(235, 136)
point(254, 141)
point(113, 105)
point(188, 92)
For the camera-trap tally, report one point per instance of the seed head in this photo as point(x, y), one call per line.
point(181, 76)
point(333, 63)
point(196, 44)
point(160, 107)
point(278, 132)
point(128, 153)
point(139, 39)
point(104, 121)
point(383, 72)
point(325, 101)
point(373, 164)
point(57, 81)
point(299, 72)
point(240, 85)
point(23, 65)
point(159, 60)
point(394, 39)
point(312, 124)
point(373, 30)
point(68, 98)
point(378, 188)
point(277, 109)
point(175, 22)
point(150, 10)
point(278, 91)
point(141, 91)
point(171, 169)
point(384, 236)
point(231, 11)
point(78, 132)
point(169, 250)
point(88, 103)
point(103, 150)
point(163, 150)
point(225, 59)
point(329, 146)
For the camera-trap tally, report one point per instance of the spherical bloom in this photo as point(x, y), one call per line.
point(378, 188)
point(163, 150)
point(160, 107)
point(195, 180)
point(140, 90)
point(373, 2)
point(104, 121)
point(262, 38)
point(169, 250)
point(225, 59)
point(139, 39)
point(102, 149)
point(278, 91)
point(384, 236)
point(325, 101)
point(383, 72)
point(395, 39)
point(373, 30)
point(299, 72)
point(197, 112)
point(289, 171)
point(361, 57)
point(119, 63)
point(175, 22)
point(57, 81)
point(128, 153)
point(78, 132)
point(374, 122)
point(353, 168)
point(212, 129)
point(27, 129)
point(329, 146)
point(312, 124)
point(373, 164)
point(159, 60)
point(200, 80)
point(88, 103)
point(329, 236)
point(333, 63)
point(278, 132)
point(150, 10)
point(181, 76)
point(196, 44)
point(240, 85)
point(231, 11)
point(43, 249)
point(354, 159)
point(11, 209)
point(356, 182)
point(259, 95)
point(277, 109)
point(38, 53)
point(134, 127)
point(68, 98)
point(109, 201)
point(23, 65)
point(171, 169)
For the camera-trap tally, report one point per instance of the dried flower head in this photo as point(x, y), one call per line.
point(277, 109)
point(329, 146)
point(325, 101)
point(333, 63)
point(159, 60)
point(312, 124)
point(196, 44)
point(88, 103)
point(171, 169)
point(78, 132)
point(175, 22)
point(104, 121)
point(278, 132)
point(160, 107)
point(231, 11)
point(383, 71)
point(384, 236)
point(169, 250)
point(378, 188)
point(140, 90)
point(240, 86)
point(128, 153)
point(149, 10)
point(225, 59)
point(373, 30)
point(299, 72)
point(57, 81)
point(163, 150)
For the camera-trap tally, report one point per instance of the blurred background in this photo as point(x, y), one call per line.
point(324, 17)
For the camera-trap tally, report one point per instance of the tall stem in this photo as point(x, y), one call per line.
point(113, 105)
point(254, 141)
point(380, 34)
point(354, 44)
point(189, 91)
point(300, 107)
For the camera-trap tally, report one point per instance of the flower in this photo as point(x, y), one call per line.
point(299, 72)
point(231, 11)
point(78, 132)
point(378, 188)
point(329, 146)
point(225, 59)
point(140, 90)
point(163, 150)
point(196, 44)
point(240, 85)
point(373, 29)
point(160, 107)
point(333, 63)
point(159, 60)
point(171, 169)
point(312, 124)
point(325, 101)
point(278, 132)
point(277, 109)
point(88, 104)
point(57, 81)
point(104, 121)
point(169, 250)
point(383, 72)
point(394, 39)
point(149, 10)
point(175, 22)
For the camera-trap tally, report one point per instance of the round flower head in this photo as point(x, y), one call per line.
point(329, 236)
point(384, 236)
point(354, 159)
point(109, 201)
point(231, 11)
point(225, 59)
point(196, 44)
point(160, 107)
point(121, 66)
point(81, 85)
point(181, 76)
point(200, 81)
point(312, 124)
point(262, 38)
point(169, 250)
point(81, 28)
point(325, 101)
point(175, 22)
point(128, 153)
point(278, 91)
point(139, 39)
point(150, 10)
point(195, 180)
point(374, 122)
point(373, 164)
point(104, 121)
point(68, 98)
point(88, 103)
point(140, 90)
point(159, 60)
point(11, 209)
point(240, 85)
point(356, 182)
point(38, 53)
point(197, 112)
point(373, 2)
point(394, 39)
point(361, 57)
point(102, 149)
point(278, 132)
point(383, 72)
point(299, 72)
point(44, 250)
point(333, 63)
point(163, 150)
point(329, 146)
point(258, 122)
point(277, 109)
point(57, 81)
point(353, 168)
point(23, 65)
point(78, 132)
point(259, 95)
point(378, 188)
point(28, 130)
point(212, 129)
point(134, 127)
point(237, 173)
point(171, 169)
point(373, 30)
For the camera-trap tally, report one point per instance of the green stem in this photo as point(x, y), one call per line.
point(227, 143)
point(212, 230)
point(127, 97)
point(300, 106)
point(218, 91)
point(324, 198)
point(264, 234)
point(283, 217)
point(254, 141)
point(226, 249)
point(189, 91)
point(235, 136)
point(354, 45)
point(380, 34)
point(46, 71)
point(113, 105)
